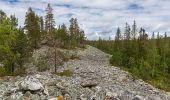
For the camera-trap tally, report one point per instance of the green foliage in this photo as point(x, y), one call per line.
point(70, 38)
point(42, 64)
point(145, 58)
point(17, 44)
point(117, 58)
point(2, 71)
point(76, 34)
point(13, 46)
point(63, 36)
point(19, 71)
point(32, 27)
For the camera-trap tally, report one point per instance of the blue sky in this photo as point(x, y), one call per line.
point(99, 17)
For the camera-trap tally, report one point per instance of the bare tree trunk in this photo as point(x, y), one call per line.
point(55, 57)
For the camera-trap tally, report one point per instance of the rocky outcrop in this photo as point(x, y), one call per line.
point(93, 79)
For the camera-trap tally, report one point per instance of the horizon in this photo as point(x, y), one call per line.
point(98, 18)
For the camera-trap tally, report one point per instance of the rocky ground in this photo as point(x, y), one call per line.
point(91, 78)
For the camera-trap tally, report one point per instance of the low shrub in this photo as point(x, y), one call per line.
point(42, 64)
point(3, 72)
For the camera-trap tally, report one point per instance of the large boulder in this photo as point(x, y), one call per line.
point(89, 83)
point(30, 83)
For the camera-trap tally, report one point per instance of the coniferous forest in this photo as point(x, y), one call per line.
point(18, 43)
point(143, 56)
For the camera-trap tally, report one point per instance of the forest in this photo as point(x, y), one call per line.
point(18, 43)
point(144, 57)
point(133, 50)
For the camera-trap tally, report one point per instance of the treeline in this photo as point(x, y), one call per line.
point(18, 43)
point(146, 58)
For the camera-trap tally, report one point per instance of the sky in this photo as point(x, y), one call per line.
point(98, 18)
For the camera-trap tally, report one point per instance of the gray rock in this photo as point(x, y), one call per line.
point(30, 83)
point(111, 96)
point(35, 97)
point(83, 97)
point(67, 97)
point(17, 96)
point(1, 65)
point(27, 94)
point(138, 97)
point(89, 83)
point(94, 79)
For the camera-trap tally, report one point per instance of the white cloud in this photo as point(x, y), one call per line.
point(99, 16)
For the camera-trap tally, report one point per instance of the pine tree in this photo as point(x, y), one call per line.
point(143, 44)
point(75, 32)
point(41, 21)
point(127, 32)
point(135, 46)
point(82, 38)
point(14, 20)
point(2, 15)
point(71, 28)
point(32, 27)
point(117, 45)
point(153, 57)
point(134, 30)
point(127, 45)
point(22, 46)
point(49, 20)
point(65, 35)
point(8, 38)
point(165, 52)
point(62, 35)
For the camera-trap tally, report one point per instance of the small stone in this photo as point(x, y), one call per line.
point(16, 96)
point(89, 83)
point(83, 97)
point(66, 97)
point(27, 94)
point(111, 96)
point(93, 97)
point(46, 91)
point(138, 97)
point(35, 97)
point(57, 98)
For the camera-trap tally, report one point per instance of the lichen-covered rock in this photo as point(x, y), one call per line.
point(30, 83)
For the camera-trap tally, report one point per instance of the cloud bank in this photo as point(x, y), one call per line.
point(98, 17)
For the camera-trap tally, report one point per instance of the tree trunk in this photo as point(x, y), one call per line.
point(55, 56)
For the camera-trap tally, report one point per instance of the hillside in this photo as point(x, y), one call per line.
point(88, 77)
